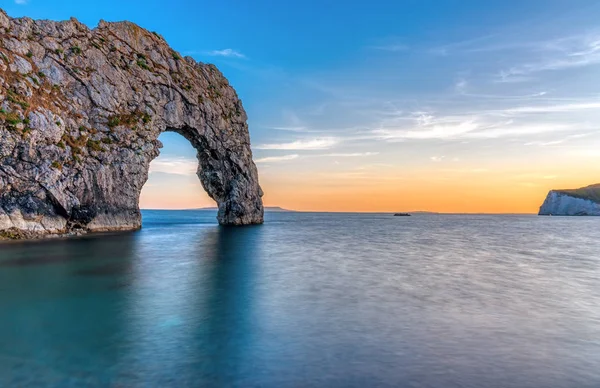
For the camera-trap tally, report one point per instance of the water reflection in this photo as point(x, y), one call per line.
point(190, 305)
point(307, 300)
point(130, 305)
point(57, 323)
point(227, 319)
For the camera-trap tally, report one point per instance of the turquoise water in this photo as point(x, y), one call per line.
point(307, 300)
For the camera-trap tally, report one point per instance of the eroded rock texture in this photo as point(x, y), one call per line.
point(81, 112)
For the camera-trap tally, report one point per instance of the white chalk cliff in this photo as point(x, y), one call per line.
point(578, 202)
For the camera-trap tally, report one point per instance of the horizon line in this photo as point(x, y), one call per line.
point(283, 210)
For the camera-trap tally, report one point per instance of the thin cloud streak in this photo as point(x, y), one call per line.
point(560, 54)
point(290, 129)
point(351, 155)
point(272, 159)
point(314, 144)
point(482, 125)
point(395, 125)
point(553, 108)
point(228, 53)
point(391, 47)
point(174, 165)
point(461, 86)
point(438, 131)
point(470, 130)
point(558, 141)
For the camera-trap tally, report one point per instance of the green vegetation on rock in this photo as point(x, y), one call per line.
point(591, 192)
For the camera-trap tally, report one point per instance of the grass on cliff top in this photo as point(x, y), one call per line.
point(590, 192)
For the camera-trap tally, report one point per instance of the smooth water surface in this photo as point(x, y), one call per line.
point(307, 300)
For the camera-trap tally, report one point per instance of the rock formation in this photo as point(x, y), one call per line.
point(80, 115)
point(578, 202)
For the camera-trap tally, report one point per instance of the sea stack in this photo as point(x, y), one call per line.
point(575, 202)
point(80, 114)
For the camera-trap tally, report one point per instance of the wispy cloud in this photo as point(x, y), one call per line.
point(546, 143)
point(525, 129)
point(21, 2)
point(472, 130)
point(174, 165)
point(554, 108)
point(437, 159)
point(559, 54)
point(313, 144)
point(229, 53)
point(391, 47)
point(291, 129)
point(464, 45)
point(536, 55)
point(510, 122)
point(461, 86)
point(351, 155)
point(430, 131)
point(272, 159)
point(291, 122)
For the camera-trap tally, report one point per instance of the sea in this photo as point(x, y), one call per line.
point(307, 300)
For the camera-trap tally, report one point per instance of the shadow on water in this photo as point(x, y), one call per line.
point(59, 321)
point(89, 248)
point(129, 309)
point(189, 307)
point(228, 315)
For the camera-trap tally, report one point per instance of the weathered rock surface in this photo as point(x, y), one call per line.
point(81, 112)
point(578, 202)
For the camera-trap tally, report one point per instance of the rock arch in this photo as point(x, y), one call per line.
point(81, 112)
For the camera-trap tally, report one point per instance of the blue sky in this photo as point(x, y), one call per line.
point(348, 96)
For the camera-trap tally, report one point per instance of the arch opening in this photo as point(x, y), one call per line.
point(222, 168)
point(173, 182)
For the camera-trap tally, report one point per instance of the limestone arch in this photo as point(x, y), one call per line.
point(82, 123)
point(226, 179)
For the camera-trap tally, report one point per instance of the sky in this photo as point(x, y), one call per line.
point(450, 106)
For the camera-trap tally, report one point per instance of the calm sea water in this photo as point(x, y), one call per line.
point(307, 300)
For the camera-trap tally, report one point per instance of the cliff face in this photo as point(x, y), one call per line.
point(578, 202)
point(80, 114)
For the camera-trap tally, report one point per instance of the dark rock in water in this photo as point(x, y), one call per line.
point(575, 202)
point(81, 112)
point(401, 215)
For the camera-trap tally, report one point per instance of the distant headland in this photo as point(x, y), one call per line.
point(584, 201)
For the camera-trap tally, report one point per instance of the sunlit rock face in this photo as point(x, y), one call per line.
point(81, 112)
point(578, 202)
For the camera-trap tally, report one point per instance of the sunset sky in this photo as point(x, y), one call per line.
point(450, 106)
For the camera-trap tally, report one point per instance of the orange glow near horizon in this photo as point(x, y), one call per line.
point(479, 180)
point(508, 191)
point(470, 198)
